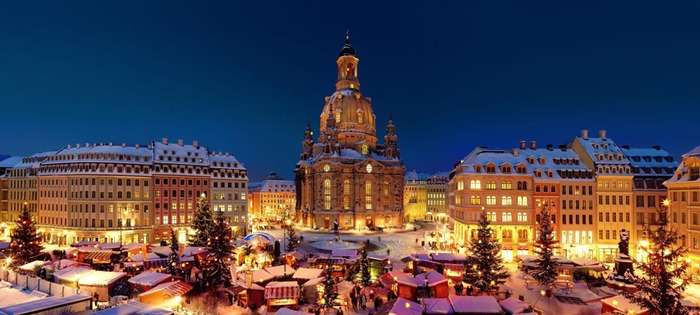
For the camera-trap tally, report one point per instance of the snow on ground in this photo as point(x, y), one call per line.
point(12, 296)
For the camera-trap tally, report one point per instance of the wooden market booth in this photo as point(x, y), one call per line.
point(247, 295)
point(101, 283)
point(282, 294)
point(168, 294)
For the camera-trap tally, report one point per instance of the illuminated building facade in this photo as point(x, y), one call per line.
point(273, 199)
point(437, 197)
point(684, 211)
point(346, 176)
point(415, 196)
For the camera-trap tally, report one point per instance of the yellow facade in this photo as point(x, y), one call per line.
point(684, 209)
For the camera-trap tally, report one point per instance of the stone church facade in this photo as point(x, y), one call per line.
point(344, 176)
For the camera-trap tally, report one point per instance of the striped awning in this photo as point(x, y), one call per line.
point(454, 267)
point(330, 261)
point(99, 256)
point(282, 290)
point(177, 288)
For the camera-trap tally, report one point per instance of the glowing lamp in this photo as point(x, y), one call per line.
point(408, 305)
point(666, 203)
point(542, 293)
point(614, 303)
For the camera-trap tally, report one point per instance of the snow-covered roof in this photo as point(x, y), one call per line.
point(30, 266)
point(100, 278)
point(149, 278)
point(405, 307)
point(475, 304)
point(513, 305)
point(434, 278)
point(415, 176)
point(258, 276)
point(438, 306)
point(134, 308)
point(621, 303)
point(192, 250)
point(170, 289)
point(63, 263)
point(36, 306)
point(100, 152)
point(72, 273)
point(224, 160)
point(273, 185)
point(180, 153)
point(10, 161)
point(314, 281)
point(280, 271)
point(307, 273)
point(481, 157)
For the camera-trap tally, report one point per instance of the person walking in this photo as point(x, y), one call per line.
point(377, 303)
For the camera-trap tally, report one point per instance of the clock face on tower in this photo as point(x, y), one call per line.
point(328, 137)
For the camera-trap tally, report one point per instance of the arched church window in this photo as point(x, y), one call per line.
point(365, 151)
point(359, 116)
point(327, 194)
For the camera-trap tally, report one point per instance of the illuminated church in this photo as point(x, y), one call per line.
point(345, 177)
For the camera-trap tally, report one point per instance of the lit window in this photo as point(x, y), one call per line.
point(522, 201)
point(368, 195)
point(475, 184)
point(506, 201)
point(475, 200)
point(369, 168)
point(365, 151)
point(507, 216)
point(327, 194)
point(491, 200)
point(505, 185)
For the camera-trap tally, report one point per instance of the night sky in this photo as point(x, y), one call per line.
point(244, 76)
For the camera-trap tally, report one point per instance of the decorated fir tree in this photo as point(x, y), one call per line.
point(292, 237)
point(174, 256)
point(365, 275)
point(486, 269)
point(663, 277)
point(25, 242)
point(215, 269)
point(203, 223)
point(545, 271)
point(329, 288)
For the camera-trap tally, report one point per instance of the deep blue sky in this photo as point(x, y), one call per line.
point(244, 77)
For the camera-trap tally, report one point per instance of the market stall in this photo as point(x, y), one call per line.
point(134, 308)
point(620, 304)
point(437, 306)
point(100, 282)
point(513, 305)
point(437, 283)
point(282, 294)
point(310, 289)
point(148, 280)
point(69, 276)
point(303, 275)
point(260, 277)
point(246, 295)
point(280, 272)
point(166, 295)
point(405, 307)
point(29, 268)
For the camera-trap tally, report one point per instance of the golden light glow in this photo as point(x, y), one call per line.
point(542, 293)
point(666, 202)
point(614, 303)
point(408, 305)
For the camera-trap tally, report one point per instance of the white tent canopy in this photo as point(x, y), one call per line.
point(405, 307)
point(34, 264)
point(475, 304)
point(149, 278)
point(101, 278)
point(280, 271)
point(307, 273)
point(438, 306)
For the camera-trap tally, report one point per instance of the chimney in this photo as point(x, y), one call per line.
point(123, 145)
point(77, 145)
point(515, 151)
point(110, 144)
point(533, 145)
point(179, 142)
point(195, 143)
point(87, 145)
point(584, 134)
point(522, 145)
point(562, 147)
point(69, 146)
point(550, 147)
point(136, 146)
point(165, 140)
point(602, 134)
point(226, 153)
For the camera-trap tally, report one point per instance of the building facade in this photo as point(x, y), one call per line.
point(346, 176)
point(437, 197)
point(415, 196)
point(684, 210)
point(119, 193)
point(272, 199)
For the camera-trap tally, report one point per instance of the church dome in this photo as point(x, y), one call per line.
point(352, 110)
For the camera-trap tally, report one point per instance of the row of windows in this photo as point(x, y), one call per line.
point(174, 182)
point(607, 234)
point(577, 190)
point(616, 200)
point(693, 198)
point(110, 195)
point(74, 168)
point(613, 184)
point(576, 219)
point(616, 217)
point(577, 205)
point(110, 182)
point(491, 200)
point(507, 216)
point(110, 208)
point(491, 185)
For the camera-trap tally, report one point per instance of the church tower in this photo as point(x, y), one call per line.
point(346, 175)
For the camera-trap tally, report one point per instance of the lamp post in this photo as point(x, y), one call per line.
point(285, 245)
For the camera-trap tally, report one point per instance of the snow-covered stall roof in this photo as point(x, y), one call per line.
point(286, 311)
point(109, 245)
point(434, 277)
point(192, 250)
point(100, 278)
point(63, 263)
point(258, 276)
point(443, 257)
point(314, 281)
point(170, 289)
point(30, 266)
point(405, 307)
point(513, 305)
point(621, 303)
point(280, 271)
point(307, 273)
point(134, 308)
point(36, 306)
point(134, 246)
point(475, 304)
point(72, 273)
point(438, 306)
point(149, 278)
point(10, 295)
point(405, 279)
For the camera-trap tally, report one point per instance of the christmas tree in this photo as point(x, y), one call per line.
point(329, 289)
point(292, 238)
point(545, 271)
point(174, 257)
point(365, 276)
point(661, 287)
point(216, 269)
point(487, 271)
point(25, 242)
point(202, 223)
